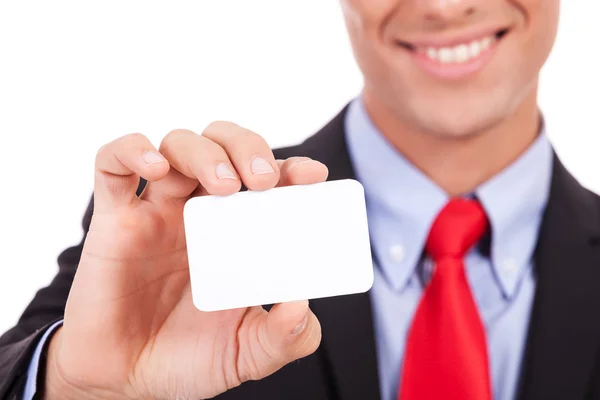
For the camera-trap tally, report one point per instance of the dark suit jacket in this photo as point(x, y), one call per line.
point(562, 358)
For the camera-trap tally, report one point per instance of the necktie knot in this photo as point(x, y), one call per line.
point(460, 224)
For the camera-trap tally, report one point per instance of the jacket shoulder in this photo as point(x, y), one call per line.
point(326, 143)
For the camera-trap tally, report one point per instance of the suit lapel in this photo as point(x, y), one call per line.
point(348, 343)
point(564, 331)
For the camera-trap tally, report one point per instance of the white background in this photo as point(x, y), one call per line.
point(75, 75)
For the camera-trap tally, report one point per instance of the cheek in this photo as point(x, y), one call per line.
point(365, 20)
point(368, 14)
point(542, 21)
point(543, 26)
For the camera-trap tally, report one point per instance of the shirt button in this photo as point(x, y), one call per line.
point(510, 265)
point(397, 253)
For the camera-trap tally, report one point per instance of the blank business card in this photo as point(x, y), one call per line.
point(284, 244)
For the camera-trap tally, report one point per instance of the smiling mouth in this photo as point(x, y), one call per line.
point(460, 53)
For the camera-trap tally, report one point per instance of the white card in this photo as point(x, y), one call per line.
point(283, 244)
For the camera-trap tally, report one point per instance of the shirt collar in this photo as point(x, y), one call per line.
point(409, 202)
point(514, 201)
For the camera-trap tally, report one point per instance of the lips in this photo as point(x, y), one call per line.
point(457, 57)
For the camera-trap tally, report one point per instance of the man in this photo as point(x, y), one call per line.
point(486, 250)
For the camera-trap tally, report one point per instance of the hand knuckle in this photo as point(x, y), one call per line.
point(102, 151)
point(252, 136)
point(132, 140)
point(173, 136)
point(221, 127)
point(136, 136)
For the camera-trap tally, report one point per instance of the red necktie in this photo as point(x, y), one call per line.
point(446, 352)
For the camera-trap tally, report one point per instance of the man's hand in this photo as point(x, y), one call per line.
point(131, 329)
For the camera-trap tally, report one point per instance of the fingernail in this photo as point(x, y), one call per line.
point(152, 157)
point(300, 163)
point(300, 327)
point(224, 171)
point(260, 166)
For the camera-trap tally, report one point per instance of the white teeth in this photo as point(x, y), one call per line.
point(475, 49)
point(446, 55)
point(432, 53)
point(461, 53)
point(486, 43)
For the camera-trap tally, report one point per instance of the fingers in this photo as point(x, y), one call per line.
point(250, 154)
point(219, 160)
point(289, 331)
point(216, 162)
point(195, 160)
point(292, 331)
point(119, 165)
point(301, 171)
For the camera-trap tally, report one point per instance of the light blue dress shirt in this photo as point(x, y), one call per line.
point(402, 204)
point(32, 371)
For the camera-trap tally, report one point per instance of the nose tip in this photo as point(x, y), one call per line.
point(448, 10)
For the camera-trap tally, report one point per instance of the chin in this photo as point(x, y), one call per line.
point(458, 125)
point(455, 116)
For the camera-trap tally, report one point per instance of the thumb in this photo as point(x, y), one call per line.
point(289, 332)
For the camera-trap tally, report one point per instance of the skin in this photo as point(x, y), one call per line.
point(462, 132)
point(131, 294)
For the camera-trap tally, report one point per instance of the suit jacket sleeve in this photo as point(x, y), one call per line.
point(18, 344)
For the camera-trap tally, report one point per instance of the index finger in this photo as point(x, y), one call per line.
point(250, 154)
point(119, 165)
